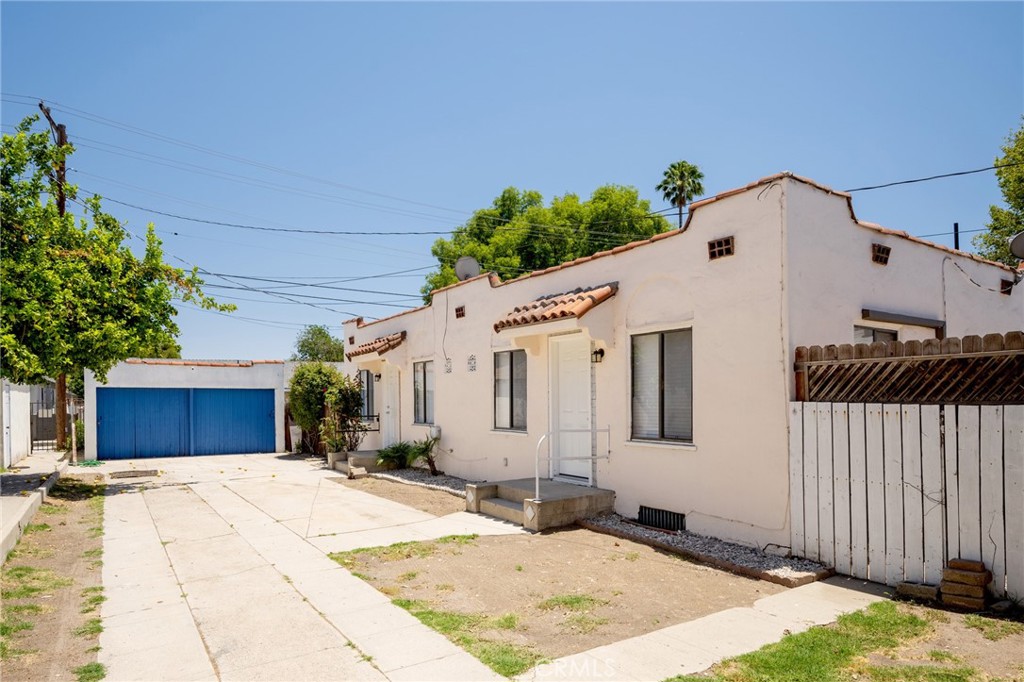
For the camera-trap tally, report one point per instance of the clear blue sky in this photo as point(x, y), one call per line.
point(407, 117)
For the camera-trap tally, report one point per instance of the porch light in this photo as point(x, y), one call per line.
point(597, 356)
point(376, 377)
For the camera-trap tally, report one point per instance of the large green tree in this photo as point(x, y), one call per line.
point(315, 344)
point(1008, 221)
point(518, 233)
point(74, 296)
point(681, 184)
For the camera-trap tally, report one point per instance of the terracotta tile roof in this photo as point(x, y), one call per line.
point(382, 344)
point(575, 303)
point(201, 363)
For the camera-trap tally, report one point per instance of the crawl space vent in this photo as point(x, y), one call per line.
point(880, 254)
point(661, 518)
point(1006, 286)
point(460, 312)
point(720, 248)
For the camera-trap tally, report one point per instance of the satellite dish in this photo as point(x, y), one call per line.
point(1017, 245)
point(466, 267)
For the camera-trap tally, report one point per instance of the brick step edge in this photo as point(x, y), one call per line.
point(918, 591)
point(711, 560)
point(967, 565)
point(968, 603)
point(953, 575)
point(961, 590)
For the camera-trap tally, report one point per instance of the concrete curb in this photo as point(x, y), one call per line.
point(32, 502)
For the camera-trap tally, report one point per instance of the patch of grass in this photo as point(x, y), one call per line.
point(993, 629)
point(53, 509)
point(361, 576)
point(92, 628)
point(9, 627)
point(519, 567)
point(24, 608)
point(821, 653)
point(91, 672)
point(37, 528)
point(410, 575)
point(92, 602)
point(509, 621)
point(30, 551)
point(571, 602)
point(940, 656)
point(632, 556)
point(444, 587)
point(7, 652)
point(464, 629)
point(457, 539)
point(399, 550)
point(390, 590)
point(584, 622)
point(90, 553)
point(22, 582)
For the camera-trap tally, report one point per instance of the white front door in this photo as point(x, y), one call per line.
point(570, 380)
point(389, 411)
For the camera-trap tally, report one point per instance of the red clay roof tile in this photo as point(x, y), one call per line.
point(575, 303)
point(380, 345)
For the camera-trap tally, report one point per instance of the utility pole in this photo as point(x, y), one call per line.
point(60, 133)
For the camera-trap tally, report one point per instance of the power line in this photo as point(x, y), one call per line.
point(935, 177)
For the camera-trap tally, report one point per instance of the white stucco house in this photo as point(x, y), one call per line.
point(680, 345)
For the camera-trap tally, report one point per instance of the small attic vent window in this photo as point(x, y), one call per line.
point(1006, 286)
point(880, 254)
point(460, 311)
point(351, 340)
point(720, 248)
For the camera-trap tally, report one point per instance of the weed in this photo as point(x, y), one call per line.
point(509, 621)
point(92, 603)
point(93, 649)
point(445, 587)
point(503, 658)
point(8, 628)
point(92, 628)
point(24, 608)
point(584, 622)
point(920, 673)
point(458, 539)
point(361, 576)
point(519, 567)
point(53, 509)
point(390, 590)
point(90, 553)
point(410, 575)
point(991, 628)
point(37, 528)
point(632, 556)
point(91, 672)
point(571, 602)
point(940, 656)
point(399, 550)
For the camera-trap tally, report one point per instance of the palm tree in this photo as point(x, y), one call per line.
point(681, 185)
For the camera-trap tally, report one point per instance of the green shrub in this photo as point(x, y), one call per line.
point(80, 435)
point(424, 449)
point(327, 405)
point(399, 455)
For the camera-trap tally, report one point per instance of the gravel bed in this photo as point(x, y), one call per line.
point(422, 478)
point(729, 552)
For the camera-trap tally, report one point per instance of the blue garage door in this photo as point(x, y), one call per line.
point(170, 422)
point(227, 421)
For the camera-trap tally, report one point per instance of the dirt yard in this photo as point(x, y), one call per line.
point(565, 592)
point(431, 501)
point(52, 588)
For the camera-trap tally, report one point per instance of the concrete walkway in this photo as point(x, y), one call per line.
point(217, 569)
point(696, 645)
point(22, 490)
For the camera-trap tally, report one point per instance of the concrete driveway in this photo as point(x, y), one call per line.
point(217, 569)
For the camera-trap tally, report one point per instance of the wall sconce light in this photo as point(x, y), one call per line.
point(376, 378)
point(597, 356)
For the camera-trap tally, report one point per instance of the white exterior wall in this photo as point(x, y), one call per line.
point(125, 375)
point(16, 416)
point(831, 278)
point(801, 274)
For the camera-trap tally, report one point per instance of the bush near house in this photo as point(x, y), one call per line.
point(327, 405)
point(403, 454)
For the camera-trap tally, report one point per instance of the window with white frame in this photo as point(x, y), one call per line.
point(510, 390)
point(423, 391)
point(662, 386)
point(366, 393)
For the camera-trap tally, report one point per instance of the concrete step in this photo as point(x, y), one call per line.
point(502, 509)
point(517, 494)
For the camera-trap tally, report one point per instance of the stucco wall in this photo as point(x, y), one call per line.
point(126, 375)
point(16, 417)
point(801, 274)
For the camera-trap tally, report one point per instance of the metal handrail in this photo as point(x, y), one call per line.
point(536, 464)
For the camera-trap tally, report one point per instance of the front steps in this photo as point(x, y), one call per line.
point(560, 504)
point(358, 463)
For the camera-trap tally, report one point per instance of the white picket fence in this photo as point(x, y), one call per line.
point(891, 492)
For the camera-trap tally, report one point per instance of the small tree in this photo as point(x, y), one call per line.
point(1006, 222)
point(342, 427)
point(315, 344)
point(308, 399)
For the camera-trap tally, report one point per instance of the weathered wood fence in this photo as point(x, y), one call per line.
point(890, 492)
